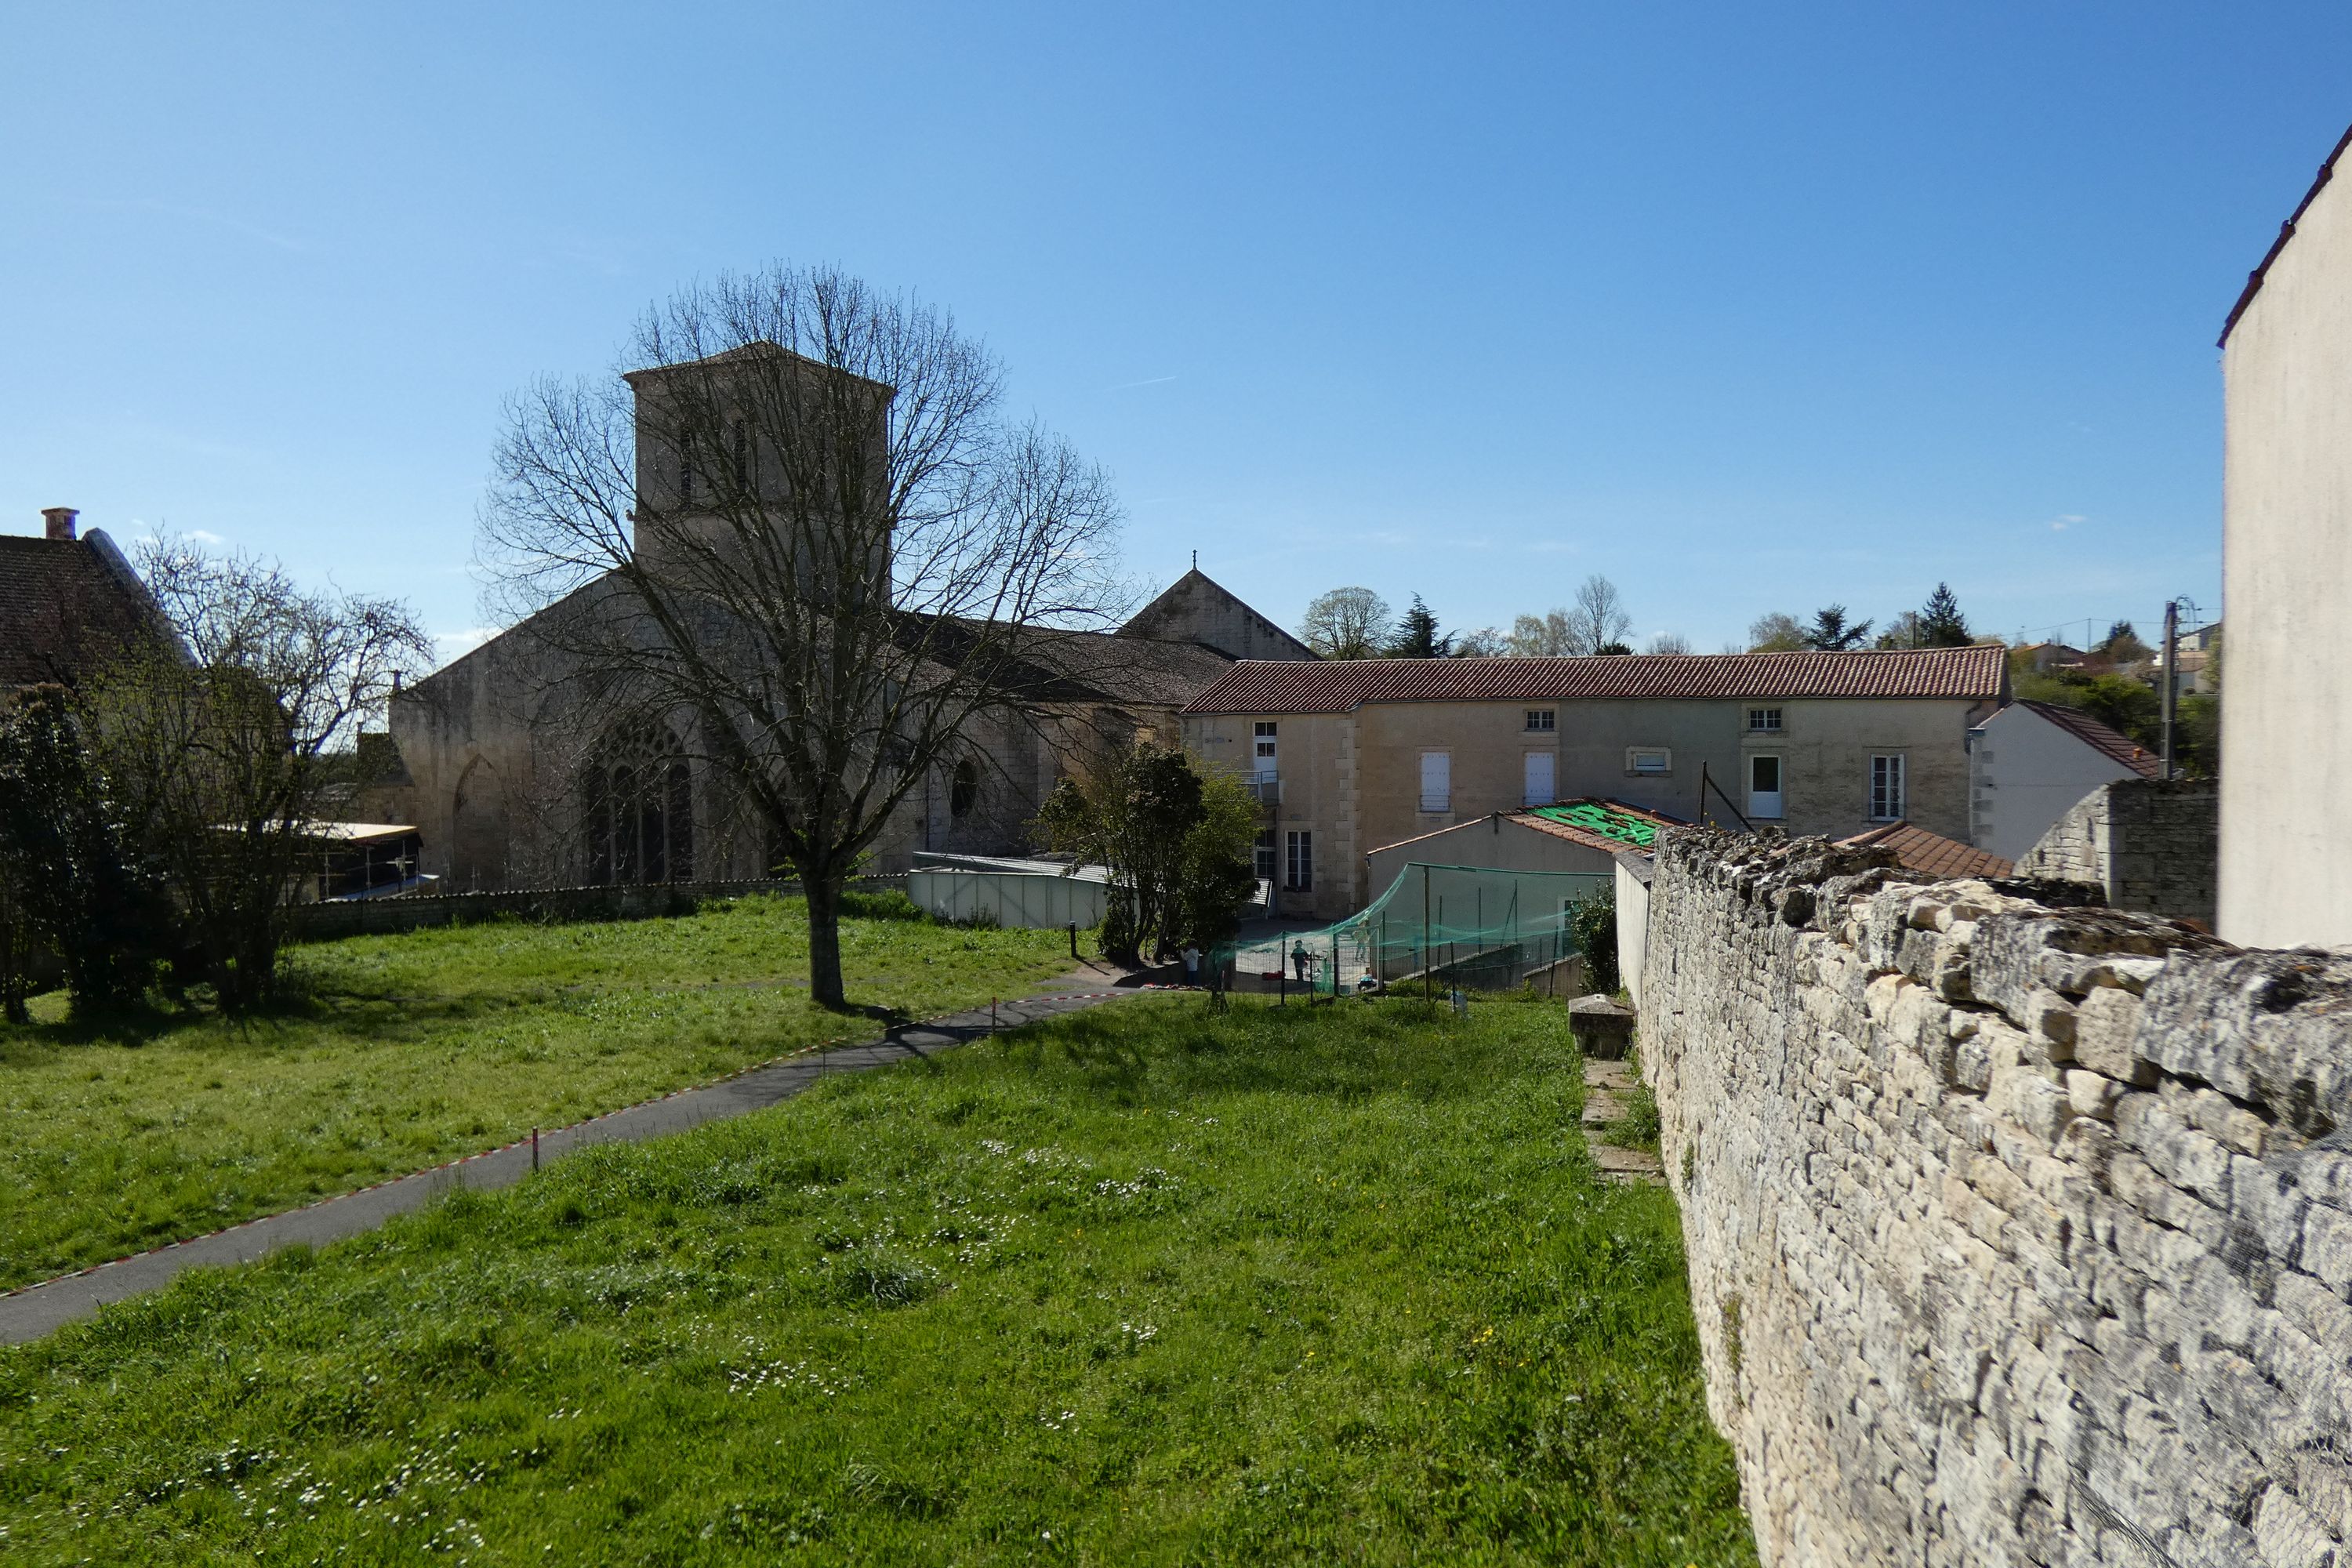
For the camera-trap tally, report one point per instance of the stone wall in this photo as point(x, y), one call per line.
point(2017, 1235)
point(2153, 846)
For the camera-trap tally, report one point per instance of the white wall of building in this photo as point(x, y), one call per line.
point(2024, 773)
point(2287, 741)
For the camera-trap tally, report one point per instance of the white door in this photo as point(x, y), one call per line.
point(1764, 788)
point(1539, 786)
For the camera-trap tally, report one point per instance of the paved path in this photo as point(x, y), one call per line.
point(1604, 1084)
point(29, 1313)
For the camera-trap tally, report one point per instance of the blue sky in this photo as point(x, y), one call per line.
point(1748, 307)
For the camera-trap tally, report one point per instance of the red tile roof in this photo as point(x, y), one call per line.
point(1575, 834)
point(1970, 673)
point(2110, 743)
point(1932, 854)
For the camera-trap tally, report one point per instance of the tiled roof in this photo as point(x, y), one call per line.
point(2286, 231)
point(2110, 743)
point(1932, 854)
point(1570, 819)
point(1973, 674)
point(1607, 824)
point(62, 606)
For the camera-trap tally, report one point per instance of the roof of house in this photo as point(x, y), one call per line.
point(1932, 854)
point(63, 605)
point(1974, 674)
point(1608, 826)
point(1043, 666)
point(2110, 743)
point(1169, 606)
point(2287, 232)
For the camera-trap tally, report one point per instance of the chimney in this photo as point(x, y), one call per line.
point(61, 519)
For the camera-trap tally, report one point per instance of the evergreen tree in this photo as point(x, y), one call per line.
point(1941, 624)
point(1417, 635)
point(1830, 632)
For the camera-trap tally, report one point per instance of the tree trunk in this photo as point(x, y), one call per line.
point(824, 892)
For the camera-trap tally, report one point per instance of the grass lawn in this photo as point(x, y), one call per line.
point(1140, 1285)
point(409, 1051)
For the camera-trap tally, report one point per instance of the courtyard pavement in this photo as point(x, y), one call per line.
point(28, 1313)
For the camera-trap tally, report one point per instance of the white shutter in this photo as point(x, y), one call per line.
point(1436, 781)
point(1540, 779)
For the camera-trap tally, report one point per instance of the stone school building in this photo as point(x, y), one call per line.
point(1352, 756)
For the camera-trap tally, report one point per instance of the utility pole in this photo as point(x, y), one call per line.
point(2171, 693)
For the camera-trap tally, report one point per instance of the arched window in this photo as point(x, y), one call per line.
point(637, 801)
point(964, 789)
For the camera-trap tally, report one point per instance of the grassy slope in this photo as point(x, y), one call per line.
point(1138, 1286)
point(413, 1050)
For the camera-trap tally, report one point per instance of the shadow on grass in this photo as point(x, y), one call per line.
point(1174, 1052)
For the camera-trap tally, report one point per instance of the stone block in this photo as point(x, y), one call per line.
point(2093, 1094)
point(2106, 1024)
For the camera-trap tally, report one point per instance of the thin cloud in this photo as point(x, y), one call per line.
point(204, 536)
point(2064, 521)
point(1147, 381)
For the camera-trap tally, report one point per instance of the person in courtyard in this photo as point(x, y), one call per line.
point(1191, 965)
point(1301, 961)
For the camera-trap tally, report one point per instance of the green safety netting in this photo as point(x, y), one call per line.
point(1445, 926)
point(1607, 821)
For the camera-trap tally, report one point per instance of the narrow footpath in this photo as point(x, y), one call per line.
point(1606, 1086)
point(28, 1313)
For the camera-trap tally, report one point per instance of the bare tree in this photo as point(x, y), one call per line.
point(1669, 642)
point(800, 546)
point(226, 753)
point(1485, 642)
point(1348, 622)
point(1598, 621)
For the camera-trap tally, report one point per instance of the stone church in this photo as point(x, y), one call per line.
point(513, 785)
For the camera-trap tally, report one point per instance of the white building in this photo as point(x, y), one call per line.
point(2030, 761)
point(2286, 743)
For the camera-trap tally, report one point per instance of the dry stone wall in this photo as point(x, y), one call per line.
point(2017, 1234)
point(2152, 845)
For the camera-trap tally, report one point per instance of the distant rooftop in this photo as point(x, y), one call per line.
point(1338, 685)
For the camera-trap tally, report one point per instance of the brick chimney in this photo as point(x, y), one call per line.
point(61, 519)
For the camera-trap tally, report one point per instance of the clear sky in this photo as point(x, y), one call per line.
point(1748, 307)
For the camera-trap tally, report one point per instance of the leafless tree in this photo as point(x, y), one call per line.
point(1598, 621)
point(801, 538)
point(224, 752)
point(1485, 642)
point(1669, 642)
point(1348, 622)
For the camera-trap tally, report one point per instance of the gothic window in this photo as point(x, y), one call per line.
point(637, 801)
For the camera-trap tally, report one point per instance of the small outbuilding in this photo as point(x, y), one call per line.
point(1579, 835)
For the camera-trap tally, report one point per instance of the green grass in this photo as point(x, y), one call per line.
point(1138, 1285)
point(408, 1051)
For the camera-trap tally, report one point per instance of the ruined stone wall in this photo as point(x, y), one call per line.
point(2153, 846)
point(2016, 1235)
